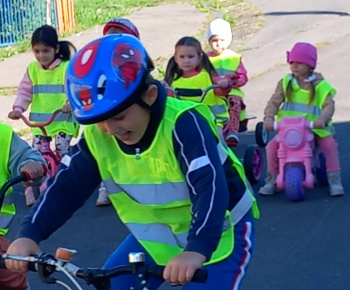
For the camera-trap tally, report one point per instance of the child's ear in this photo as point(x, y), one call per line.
point(151, 95)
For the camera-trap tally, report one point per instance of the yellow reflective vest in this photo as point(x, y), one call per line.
point(299, 104)
point(227, 63)
point(8, 209)
point(217, 105)
point(150, 192)
point(49, 96)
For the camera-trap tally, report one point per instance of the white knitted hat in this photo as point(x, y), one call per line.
point(220, 27)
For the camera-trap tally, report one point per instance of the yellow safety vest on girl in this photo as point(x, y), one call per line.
point(299, 103)
point(49, 96)
point(217, 105)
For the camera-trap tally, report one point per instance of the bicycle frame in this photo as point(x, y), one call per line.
point(52, 158)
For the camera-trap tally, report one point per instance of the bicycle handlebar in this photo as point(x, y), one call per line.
point(47, 264)
point(42, 124)
point(23, 177)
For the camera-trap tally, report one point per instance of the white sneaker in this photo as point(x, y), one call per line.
point(335, 186)
point(270, 185)
point(103, 198)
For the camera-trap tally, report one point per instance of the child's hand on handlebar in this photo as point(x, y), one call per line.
point(34, 169)
point(224, 83)
point(15, 115)
point(24, 247)
point(268, 124)
point(180, 269)
point(66, 108)
point(318, 124)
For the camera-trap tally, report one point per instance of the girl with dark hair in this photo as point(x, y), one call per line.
point(43, 87)
point(190, 68)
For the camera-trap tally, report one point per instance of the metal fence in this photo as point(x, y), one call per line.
point(19, 18)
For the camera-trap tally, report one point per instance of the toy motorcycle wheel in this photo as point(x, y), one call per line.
point(261, 135)
point(253, 163)
point(294, 176)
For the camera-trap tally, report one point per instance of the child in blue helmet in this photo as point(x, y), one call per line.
point(115, 26)
point(173, 183)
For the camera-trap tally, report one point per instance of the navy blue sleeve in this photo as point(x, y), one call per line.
point(76, 180)
point(196, 149)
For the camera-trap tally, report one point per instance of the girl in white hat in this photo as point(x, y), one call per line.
point(229, 64)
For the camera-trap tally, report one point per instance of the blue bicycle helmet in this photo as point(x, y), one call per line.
point(107, 76)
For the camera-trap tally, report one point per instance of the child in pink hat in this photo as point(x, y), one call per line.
point(318, 94)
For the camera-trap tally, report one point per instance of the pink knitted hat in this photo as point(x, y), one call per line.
point(304, 53)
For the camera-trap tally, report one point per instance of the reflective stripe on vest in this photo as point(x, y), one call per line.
point(302, 108)
point(42, 117)
point(151, 193)
point(48, 89)
point(8, 209)
point(155, 195)
point(218, 109)
point(5, 221)
point(161, 233)
point(223, 72)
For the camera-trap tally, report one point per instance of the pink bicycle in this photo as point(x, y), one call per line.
point(299, 159)
point(51, 157)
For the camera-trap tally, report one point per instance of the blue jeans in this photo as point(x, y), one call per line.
point(225, 275)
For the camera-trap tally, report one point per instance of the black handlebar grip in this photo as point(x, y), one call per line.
point(200, 276)
point(31, 265)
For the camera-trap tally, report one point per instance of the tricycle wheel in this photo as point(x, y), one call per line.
point(253, 163)
point(261, 135)
point(294, 176)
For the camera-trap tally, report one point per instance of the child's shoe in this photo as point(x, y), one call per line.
point(103, 198)
point(30, 199)
point(335, 186)
point(232, 139)
point(270, 185)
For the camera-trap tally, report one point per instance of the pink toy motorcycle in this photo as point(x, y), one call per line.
point(298, 158)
